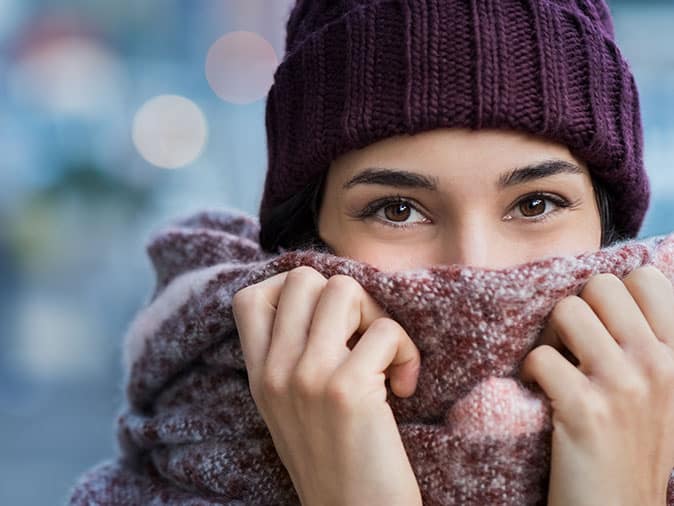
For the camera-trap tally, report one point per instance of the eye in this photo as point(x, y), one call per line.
point(394, 212)
point(532, 207)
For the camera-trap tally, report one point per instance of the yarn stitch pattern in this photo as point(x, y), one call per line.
point(189, 432)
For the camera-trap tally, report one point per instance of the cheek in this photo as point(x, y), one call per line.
point(585, 234)
point(580, 236)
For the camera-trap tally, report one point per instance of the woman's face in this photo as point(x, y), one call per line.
point(486, 198)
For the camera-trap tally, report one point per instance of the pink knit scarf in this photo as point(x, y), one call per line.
point(190, 433)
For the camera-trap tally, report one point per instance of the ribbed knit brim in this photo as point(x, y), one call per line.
point(358, 72)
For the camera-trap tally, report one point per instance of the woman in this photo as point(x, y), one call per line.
point(407, 134)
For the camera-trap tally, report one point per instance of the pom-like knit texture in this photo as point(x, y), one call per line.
point(359, 71)
point(190, 433)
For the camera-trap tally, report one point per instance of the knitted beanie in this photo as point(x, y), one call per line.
point(358, 71)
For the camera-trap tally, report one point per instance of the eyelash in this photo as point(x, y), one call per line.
point(372, 208)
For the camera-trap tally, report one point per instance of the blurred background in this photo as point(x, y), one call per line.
point(116, 116)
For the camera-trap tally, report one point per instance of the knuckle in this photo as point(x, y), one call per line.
point(339, 392)
point(632, 387)
point(243, 297)
point(272, 385)
point(604, 278)
point(304, 382)
point(305, 275)
point(646, 276)
point(387, 326)
point(651, 272)
point(343, 284)
point(659, 366)
point(594, 412)
point(536, 357)
point(666, 371)
point(568, 307)
point(598, 283)
point(388, 331)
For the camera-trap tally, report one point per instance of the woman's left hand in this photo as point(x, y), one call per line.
point(613, 414)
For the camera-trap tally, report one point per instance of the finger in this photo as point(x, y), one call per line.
point(654, 294)
point(385, 346)
point(573, 325)
point(610, 299)
point(296, 304)
point(558, 378)
point(343, 309)
point(254, 310)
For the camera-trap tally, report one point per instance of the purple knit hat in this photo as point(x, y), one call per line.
point(358, 71)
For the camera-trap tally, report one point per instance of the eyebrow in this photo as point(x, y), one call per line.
point(535, 171)
point(405, 179)
point(393, 177)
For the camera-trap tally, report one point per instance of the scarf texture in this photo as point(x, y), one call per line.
point(190, 434)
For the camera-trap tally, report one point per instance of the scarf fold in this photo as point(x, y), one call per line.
point(190, 434)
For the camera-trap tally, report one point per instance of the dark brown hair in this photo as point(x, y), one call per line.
point(294, 223)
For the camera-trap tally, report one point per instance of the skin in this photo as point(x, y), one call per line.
point(322, 394)
point(465, 220)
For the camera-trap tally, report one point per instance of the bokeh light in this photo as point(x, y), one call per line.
point(169, 131)
point(240, 67)
point(69, 75)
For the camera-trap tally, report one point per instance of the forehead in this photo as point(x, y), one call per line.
point(454, 154)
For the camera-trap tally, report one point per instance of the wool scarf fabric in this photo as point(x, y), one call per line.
point(190, 434)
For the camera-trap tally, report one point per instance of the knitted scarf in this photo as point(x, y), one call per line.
point(190, 434)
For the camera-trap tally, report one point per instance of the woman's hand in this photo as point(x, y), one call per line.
point(323, 402)
point(613, 415)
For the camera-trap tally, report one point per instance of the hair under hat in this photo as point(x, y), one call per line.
point(358, 71)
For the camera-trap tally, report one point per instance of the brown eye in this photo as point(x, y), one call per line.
point(397, 212)
point(539, 207)
point(532, 206)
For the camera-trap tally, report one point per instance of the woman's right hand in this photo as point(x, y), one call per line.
point(323, 400)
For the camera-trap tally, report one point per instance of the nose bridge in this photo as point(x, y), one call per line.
point(471, 242)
